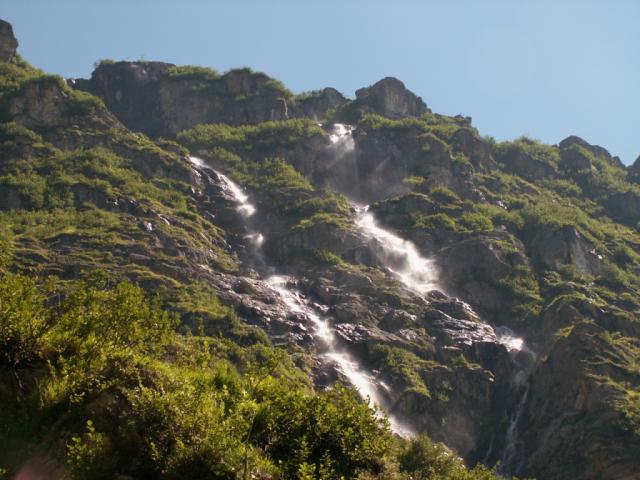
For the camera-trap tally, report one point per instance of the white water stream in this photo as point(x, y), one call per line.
point(366, 385)
point(402, 258)
point(399, 256)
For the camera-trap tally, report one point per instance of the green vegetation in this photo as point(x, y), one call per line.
point(270, 84)
point(191, 72)
point(403, 365)
point(262, 137)
point(122, 354)
point(100, 370)
point(271, 178)
point(533, 150)
point(427, 460)
point(14, 74)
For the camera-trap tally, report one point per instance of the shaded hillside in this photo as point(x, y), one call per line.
point(508, 328)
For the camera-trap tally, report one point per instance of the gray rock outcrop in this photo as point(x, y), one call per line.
point(8, 42)
point(390, 98)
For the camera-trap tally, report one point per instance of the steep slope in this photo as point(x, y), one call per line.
point(465, 242)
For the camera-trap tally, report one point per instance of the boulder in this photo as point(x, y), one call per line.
point(477, 267)
point(553, 247)
point(479, 151)
point(317, 106)
point(390, 98)
point(624, 207)
point(40, 104)
point(596, 150)
point(386, 158)
point(519, 162)
point(573, 158)
point(8, 43)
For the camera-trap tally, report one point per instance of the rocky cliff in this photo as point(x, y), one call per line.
point(489, 292)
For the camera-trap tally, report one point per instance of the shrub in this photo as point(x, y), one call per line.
point(191, 72)
point(23, 320)
point(423, 459)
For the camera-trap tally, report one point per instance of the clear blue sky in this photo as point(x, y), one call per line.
point(540, 68)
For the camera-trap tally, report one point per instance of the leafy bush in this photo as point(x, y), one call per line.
point(22, 320)
point(191, 72)
point(531, 148)
point(423, 459)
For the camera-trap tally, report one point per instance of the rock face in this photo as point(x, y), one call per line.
point(316, 106)
point(522, 163)
point(476, 268)
point(596, 150)
point(141, 209)
point(130, 91)
point(8, 43)
point(390, 98)
point(624, 207)
point(478, 150)
point(561, 383)
point(634, 170)
point(574, 159)
point(154, 98)
point(386, 159)
point(554, 247)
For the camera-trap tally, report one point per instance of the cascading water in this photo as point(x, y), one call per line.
point(525, 358)
point(364, 383)
point(367, 386)
point(342, 133)
point(399, 256)
point(419, 274)
point(340, 169)
point(508, 338)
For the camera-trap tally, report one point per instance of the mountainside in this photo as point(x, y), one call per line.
point(193, 263)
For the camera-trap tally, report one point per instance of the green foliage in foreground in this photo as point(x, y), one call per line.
point(94, 378)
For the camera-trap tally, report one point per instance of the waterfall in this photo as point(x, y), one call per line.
point(508, 338)
point(525, 357)
point(341, 167)
point(402, 258)
point(399, 256)
point(511, 438)
point(341, 133)
point(366, 385)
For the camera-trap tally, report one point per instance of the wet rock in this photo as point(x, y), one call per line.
point(459, 332)
point(8, 42)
